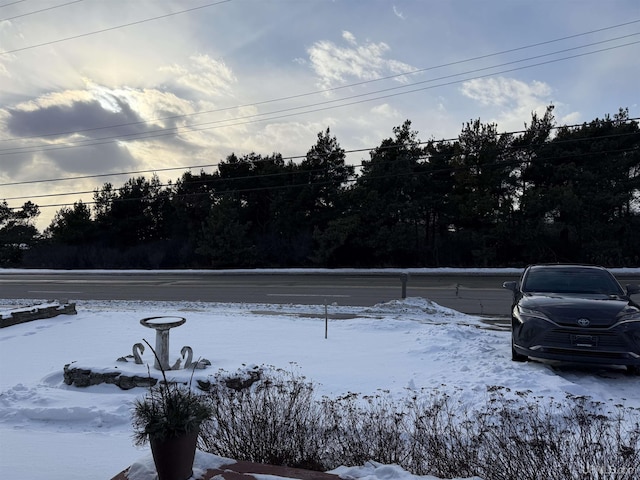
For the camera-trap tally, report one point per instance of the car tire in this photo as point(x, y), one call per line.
point(516, 357)
point(633, 370)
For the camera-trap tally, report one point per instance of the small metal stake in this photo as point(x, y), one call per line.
point(326, 320)
point(404, 278)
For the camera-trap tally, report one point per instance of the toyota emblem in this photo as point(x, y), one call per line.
point(584, 322)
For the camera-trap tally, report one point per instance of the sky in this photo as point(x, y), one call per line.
point(59, 432)
point(95, 91)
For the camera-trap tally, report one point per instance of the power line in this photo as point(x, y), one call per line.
point(40, 11)
point(422, 70)
point(176, 130)
point(307, 172)
point(138, 22)
point(290, 158)
point(412, 173)
point(319, 106)
point(100, 175)
point(12, 3)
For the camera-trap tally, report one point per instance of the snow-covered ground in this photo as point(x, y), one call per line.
point(52, 431)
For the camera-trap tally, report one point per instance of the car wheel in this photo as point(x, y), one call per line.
point(516, 357)
point(633, 370)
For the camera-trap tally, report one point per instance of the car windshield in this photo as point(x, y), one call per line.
point(574, 280)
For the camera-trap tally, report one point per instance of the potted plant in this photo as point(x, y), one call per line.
point(169, 417)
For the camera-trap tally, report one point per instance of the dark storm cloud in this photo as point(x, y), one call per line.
point(75, 137)
point(60, 161)
point(79, 136)
point(93, 159)
point(15, 167)
point(90, 118)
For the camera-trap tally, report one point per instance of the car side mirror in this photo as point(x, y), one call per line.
point(510, 286)
point(633, 289)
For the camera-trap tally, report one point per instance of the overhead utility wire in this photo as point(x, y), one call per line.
point(39, 11)
point(306, 172)
point(11, 3)
point(138, 22)
point(294, 157)
point(327, 90)
point(84, 177)
point(452, 169)
point(260, 117)
point(191, 183)
point(382, 97)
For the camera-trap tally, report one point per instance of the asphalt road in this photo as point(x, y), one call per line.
point(473, 294)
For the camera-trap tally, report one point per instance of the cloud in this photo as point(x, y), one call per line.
point(95, 130)
point(76, 149)
point(4, 71)
point(45, 119)
point(109, 157)
point(398, 13)
point(571, 118)
point(202, 74)
point(385, 110)
point(502, 91)
point(509, 102)
point(337, 65)
point(349, 37)
point(98, 127)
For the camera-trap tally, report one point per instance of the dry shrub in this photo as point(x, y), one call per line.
point(275, 418)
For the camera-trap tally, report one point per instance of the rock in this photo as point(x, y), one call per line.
point(240, 383)
point(81, 377)
point(36, 313)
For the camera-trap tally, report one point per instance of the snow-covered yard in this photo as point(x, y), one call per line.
point(59, 432)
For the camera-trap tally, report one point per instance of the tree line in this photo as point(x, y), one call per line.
point(546, 194)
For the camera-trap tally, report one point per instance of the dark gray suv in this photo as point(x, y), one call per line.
point(574, 313)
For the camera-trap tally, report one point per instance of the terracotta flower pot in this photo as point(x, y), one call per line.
point(174, 456)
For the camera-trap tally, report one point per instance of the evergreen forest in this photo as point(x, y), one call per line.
point(548, 193)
